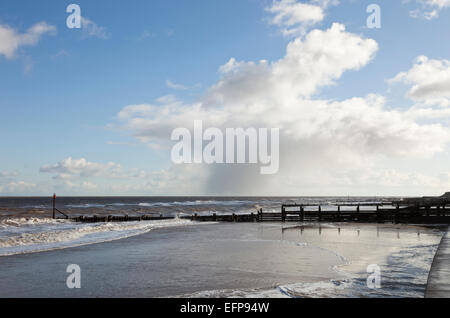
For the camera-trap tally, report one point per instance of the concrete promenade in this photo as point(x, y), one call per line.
point(438, 285)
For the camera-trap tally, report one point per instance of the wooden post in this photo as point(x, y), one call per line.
point(357, 211)
point(320, 213)
point(54, 205)
point(339, 213)
point(302, 213)
point(396, 213)
point(261, 215)
point(283, 214)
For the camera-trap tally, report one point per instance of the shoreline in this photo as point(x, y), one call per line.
point(312, 240)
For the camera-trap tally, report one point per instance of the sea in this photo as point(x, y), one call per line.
point(182, 258)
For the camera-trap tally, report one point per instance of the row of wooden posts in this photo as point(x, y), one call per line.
point(298, 213)
point(252, 217)
point(118, 218)
point(395, 215)
point(301, 213)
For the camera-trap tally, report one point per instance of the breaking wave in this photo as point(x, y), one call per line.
point(30, 235)
point(197, 202)
point(328, 288)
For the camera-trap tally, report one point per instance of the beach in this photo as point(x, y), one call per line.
point(181, 258)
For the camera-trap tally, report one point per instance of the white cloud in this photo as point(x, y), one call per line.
point(181, 87)
point(17, 187)
point(61, 54)
point(438, 3)
point(172, 85)
point(325, 3)
point(309, 64)
point(176, 180)
point(111, 179)
point(8, 174)
point(83, 187)
point(69, 167)
point(430, 80)
point(91, 29)
point(10, 185)
point(294, 17)
point(430, 9)
point(11, 39)
point(147, 34)
point(323, 143)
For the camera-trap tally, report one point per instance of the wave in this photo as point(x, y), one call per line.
point(198, 202)
point(163, 204)
point(37, 206)
point(328, 288)
point(155, 204)
point(20, 236)
point(17, 222)
point(85, 206)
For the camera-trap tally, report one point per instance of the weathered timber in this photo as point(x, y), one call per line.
point(117, 218)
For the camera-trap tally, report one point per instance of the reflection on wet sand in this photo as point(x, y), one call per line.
point(319, 228)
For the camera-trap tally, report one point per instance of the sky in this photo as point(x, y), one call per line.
point(90, 111)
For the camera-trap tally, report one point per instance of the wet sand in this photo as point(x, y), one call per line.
point(229, 260)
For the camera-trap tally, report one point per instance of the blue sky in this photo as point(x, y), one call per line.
point(60, 97)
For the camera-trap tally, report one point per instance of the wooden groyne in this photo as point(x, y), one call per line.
point(116, 218)
point(304, 213)
point(413, 211)
point(368, 213)
point(353, 213)
point(438, 285)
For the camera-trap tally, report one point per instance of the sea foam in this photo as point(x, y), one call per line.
point(19, 236)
